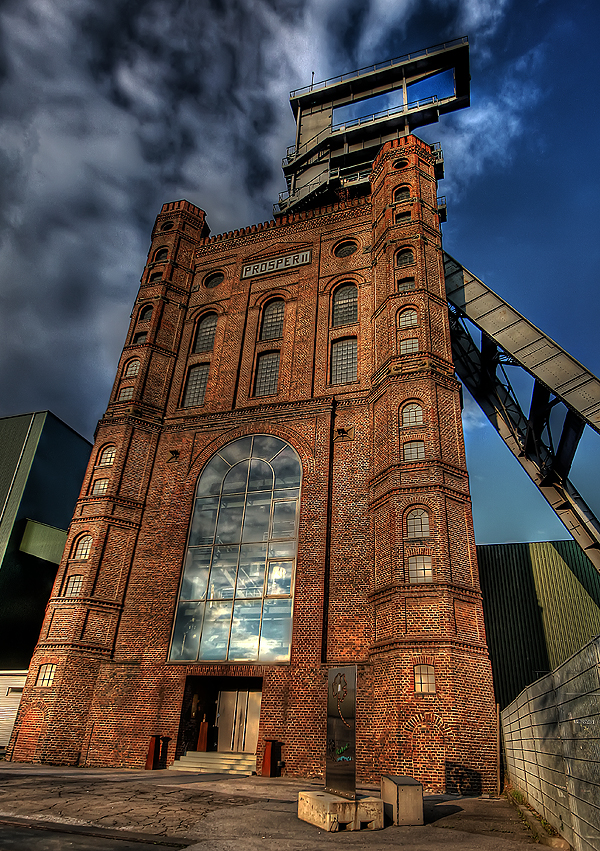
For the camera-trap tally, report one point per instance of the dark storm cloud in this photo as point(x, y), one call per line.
point(111, 109)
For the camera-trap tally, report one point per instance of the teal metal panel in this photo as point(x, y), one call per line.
point(45, 542)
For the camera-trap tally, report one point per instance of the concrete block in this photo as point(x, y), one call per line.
point(402, 799)
point(332, 813)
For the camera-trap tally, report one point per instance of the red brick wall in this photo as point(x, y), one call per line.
point(353, 603)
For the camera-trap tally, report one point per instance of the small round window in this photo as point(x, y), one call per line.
point(167, 226)
point(213, 280)
point(400, 164)
point(346, 248)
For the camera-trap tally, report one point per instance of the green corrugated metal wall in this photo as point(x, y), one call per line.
point(541, 604)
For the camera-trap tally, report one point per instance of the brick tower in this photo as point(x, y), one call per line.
point(279, 487)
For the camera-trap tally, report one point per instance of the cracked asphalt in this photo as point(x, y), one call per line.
point(43, 808)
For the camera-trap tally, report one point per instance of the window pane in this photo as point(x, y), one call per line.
point(196, 386)
point(419, 569)
point(212, 476)
point(279, 582)
point(100, 486)
point(345, 305)
point(195, 573)
point(284, 520)
point(205, 336)
point(45, 675)
point(126, 394)
point(408, 347)
point(222, 573)
point(276, 631)
point(343, 361)
point(282, 549)
point(261, 476)
point(107, 456)
point(245, 629)
point(418, 523)
point(188, 626)
point(407, 319)
point(229, 526)
point(83, 548)
point(287, 469)
point(132, 369)
point(236, 451)
point(215, 633)
point(405, 258)
point(256, 520)
point(424, 679)
point(414, 450)
point(236, 478)
point(266, 446)
point(412, 415)
point(406, 285)
point(402, 193)
point(74, 585)
point(203, 522)
point(251, 572)
point(267, 374)
point(272, 323)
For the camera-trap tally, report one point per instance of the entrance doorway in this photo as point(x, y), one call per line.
point(220, 714)
point(238, 715)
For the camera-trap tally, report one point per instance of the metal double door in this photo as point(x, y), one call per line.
point(238, 716)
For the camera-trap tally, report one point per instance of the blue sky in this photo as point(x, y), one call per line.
point(111, 109)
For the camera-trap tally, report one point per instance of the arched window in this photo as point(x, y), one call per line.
point(405, 257)
point(414, 450)
point(412, 415)
point(132, 368)
point(107, 456)
point(267, 374)
point(345, 305)
point(99, 487)
point(425, 679)
point(408, 318)
point(344, 361)
point(235, 601)
point(83, 547)
point(195, 388)
point(402, 193)
point(417, 523)
point(205, 335)
point(140, 338)
point(419, 569)
point(272, 320)
point(74, 585)
point(409, 347)
point(161, 254)
point(145, 313)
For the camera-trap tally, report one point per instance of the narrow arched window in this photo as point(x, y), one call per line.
point(408, 318)
point(132, 368)
point(424, 679)
point(419, 569)
point(145, 313)
point(344, 361)
point(205, 335)
point(107, 456)
point(345, 305)
point(161, 254)
point(235, 600)
point(405, 257)
point(412, 415)
point(414, 450)
point(272, 320)
point(417, 523)
point(402, 193)
point(195, 388)
point(83, 547)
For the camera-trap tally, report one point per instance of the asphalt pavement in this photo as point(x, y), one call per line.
point(46, 808)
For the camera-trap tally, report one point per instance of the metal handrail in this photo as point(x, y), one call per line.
point(389, 63)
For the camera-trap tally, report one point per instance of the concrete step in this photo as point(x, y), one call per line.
point(214, 762)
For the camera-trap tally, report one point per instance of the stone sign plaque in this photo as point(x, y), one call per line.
point(340, 765)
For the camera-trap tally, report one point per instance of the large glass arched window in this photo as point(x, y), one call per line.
point(236, 595)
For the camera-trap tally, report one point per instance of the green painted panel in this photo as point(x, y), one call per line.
point(45, 542)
